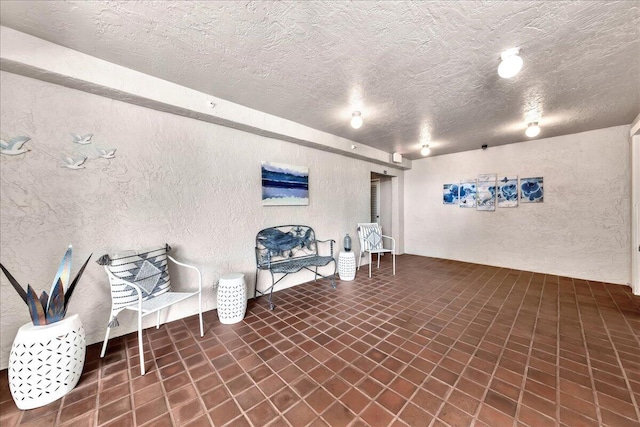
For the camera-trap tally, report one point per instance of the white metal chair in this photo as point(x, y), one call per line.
point(372, 242)
point(140, 282)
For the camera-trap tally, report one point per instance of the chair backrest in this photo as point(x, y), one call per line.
point(147, 268)
point(285, 241)
point(370, 236)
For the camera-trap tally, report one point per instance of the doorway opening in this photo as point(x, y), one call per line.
point(382, 201)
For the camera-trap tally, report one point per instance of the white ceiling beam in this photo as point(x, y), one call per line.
point(32, 57)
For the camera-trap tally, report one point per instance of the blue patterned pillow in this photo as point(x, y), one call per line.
point(147, 269)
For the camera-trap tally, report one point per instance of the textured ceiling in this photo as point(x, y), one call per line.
point(411, 67)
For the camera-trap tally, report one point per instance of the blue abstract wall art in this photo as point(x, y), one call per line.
point(284, 185)
point(486, 192)
point(508, 192)
point(467, 195)
point(450, 194)
point(531, 190)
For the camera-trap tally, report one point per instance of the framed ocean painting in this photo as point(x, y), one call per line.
point(531, 190)
point(450, 194)
point(508, 192)
point(284, 185)
point(486, 192)
point(467, 196)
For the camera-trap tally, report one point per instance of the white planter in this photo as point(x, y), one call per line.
point(232, 298)
point(46, 362)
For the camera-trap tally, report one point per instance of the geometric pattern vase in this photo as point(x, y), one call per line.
point(232, 298)
point(46, 362)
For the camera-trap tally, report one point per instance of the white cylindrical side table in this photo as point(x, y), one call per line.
point(232, 298)
point(347, 266)
point(46, 362)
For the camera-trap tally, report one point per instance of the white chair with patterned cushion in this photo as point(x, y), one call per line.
point(140, 282)
point(372, 242)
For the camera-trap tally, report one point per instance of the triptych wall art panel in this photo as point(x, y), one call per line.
point(284, 185)
point(532, 190)
point(467, 195)
point(487, 191)
point(508, 192)
point(450, 194)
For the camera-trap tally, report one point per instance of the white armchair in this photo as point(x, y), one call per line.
point(372, 241)
point(140, 282)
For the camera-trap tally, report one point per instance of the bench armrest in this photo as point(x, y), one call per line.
point(330, 241)
point(263, 258)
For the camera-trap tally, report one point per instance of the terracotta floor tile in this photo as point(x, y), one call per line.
point(151, 410)
point(262, 414)
point(68, 413)
point(250, 398)
point(224, 413)
point(187, 412)
point(453, 416)
point(124, 421)
point(284, 399)
point(320, 399)
point(414, 416)
point(114, 410)
point(338, 415)
point(300, 415)
point(463, 344)
point(375, 414)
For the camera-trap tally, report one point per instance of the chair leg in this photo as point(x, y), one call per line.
point(200, 312)
point(359, 259)
point(158, 320)
point(255, 287)
point(378, 259)
point(140, 348)
point(104, 344)
point(394, 263)
point(370, 265)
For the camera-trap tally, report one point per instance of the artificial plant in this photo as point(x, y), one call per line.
point(52, 307)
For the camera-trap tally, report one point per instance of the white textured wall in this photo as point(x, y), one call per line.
point(581, 230)
point(190, 183)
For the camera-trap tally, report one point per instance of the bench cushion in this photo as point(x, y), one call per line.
point(284, 243)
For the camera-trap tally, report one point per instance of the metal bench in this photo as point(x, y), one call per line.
point(287, 249)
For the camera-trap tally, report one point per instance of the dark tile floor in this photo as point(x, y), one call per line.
point(442, 343)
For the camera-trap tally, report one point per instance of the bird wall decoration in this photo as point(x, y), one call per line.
point(15, 146)
point(109, 153)
point(73, 162)
point(82, 139)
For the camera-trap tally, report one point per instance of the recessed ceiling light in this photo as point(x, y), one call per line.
point(533, 130)
point(425, 151)
point(511, 63)
point(356, 120)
